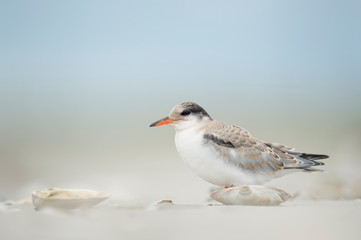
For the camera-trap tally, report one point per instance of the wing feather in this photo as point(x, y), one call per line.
point(238, 147)
point(241, 149)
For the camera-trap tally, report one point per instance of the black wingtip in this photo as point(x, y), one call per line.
point(309, 156)
point(313, 170)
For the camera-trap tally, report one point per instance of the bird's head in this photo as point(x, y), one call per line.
point(185, 115)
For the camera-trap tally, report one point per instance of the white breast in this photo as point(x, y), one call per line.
point(206, 162)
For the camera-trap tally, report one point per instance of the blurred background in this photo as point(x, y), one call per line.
point(81, 81)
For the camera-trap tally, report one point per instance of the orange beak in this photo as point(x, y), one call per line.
point(162, 121)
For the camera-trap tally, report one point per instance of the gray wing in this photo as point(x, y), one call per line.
point(241, 149)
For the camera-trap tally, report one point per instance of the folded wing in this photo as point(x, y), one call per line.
point(238, 147)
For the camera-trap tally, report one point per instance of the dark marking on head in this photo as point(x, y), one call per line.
point(186, 112)
point(193, 108)
point(219, 141)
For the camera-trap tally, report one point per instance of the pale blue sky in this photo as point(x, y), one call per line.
point(81, 54)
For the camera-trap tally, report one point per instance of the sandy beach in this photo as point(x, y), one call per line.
point(324, 205)
point(295, 220)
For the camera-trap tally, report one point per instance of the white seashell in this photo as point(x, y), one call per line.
point(67, 198)
point(251, 195)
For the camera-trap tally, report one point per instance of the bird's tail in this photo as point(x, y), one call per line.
point(306, 161)
point(303, 161)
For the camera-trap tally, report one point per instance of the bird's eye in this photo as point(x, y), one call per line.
point(185, 112)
